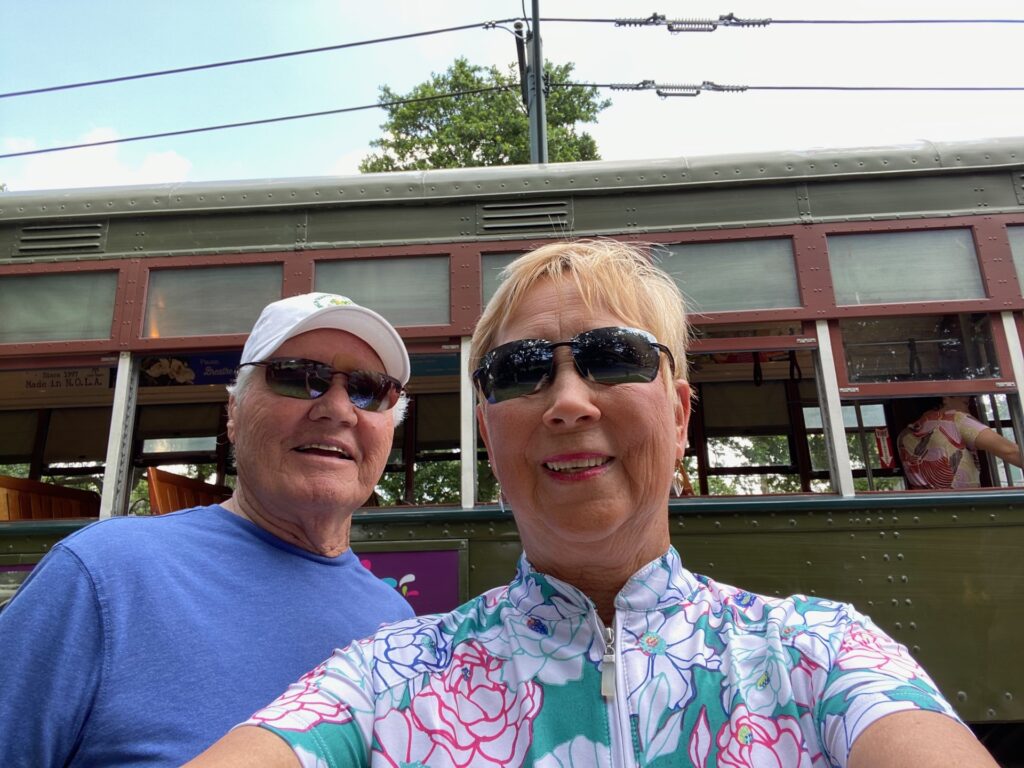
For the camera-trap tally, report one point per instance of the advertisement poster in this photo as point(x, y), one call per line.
point(428, 579)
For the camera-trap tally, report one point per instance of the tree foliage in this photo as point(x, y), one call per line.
point(488, 128)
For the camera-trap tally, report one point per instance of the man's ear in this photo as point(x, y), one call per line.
point(232, 410)
point(682, 415)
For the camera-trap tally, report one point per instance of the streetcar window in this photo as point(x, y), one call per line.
point(734, 275)
point(208, 300)
point(994, 410)
point(77, 435)
point(19, 430)
point(428, 444)
point(934, 265)
point(180, 445)
point(921, 348)
point(869, 442)
point(1016, 236)
point(58, 307)
point(407, 291)
point(747, 434)
point(492, 264)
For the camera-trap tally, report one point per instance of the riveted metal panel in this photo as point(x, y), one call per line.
point(689, 209)
point(920, 158)
point(949, 195)
point(381, 225)
point(254, 231)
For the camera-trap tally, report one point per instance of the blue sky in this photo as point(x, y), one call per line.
point(48, 42)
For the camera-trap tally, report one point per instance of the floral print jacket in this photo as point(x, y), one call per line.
point(692, 673)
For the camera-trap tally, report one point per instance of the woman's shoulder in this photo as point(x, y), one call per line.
point(424, 643)
point(756, 613)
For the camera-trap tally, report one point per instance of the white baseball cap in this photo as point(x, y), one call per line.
point(287, 318)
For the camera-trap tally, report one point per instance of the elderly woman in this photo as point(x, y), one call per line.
point(604, 650)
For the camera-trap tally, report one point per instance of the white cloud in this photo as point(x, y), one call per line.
point(93, 167)
point(348, 163)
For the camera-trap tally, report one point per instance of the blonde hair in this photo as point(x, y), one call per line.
point(620, 277)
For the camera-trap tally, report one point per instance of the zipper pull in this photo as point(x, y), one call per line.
point(608, 665)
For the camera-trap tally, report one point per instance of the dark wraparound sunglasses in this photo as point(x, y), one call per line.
point(605, 355)
point(308, 380)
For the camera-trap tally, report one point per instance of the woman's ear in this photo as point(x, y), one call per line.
point(682, 415)
point(481, 420)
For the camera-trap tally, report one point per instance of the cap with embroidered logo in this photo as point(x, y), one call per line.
point(287, 318)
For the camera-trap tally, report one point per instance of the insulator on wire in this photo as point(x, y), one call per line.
point(655, 19)
point(665, 91)
point(643, 85)
point(730, 20)
point(707, 85)
point(692, 25)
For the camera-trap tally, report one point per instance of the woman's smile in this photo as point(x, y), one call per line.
point(574, 467)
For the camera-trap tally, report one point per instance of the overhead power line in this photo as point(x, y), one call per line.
point(695, 89)
point(731, 20)
point(252, 59)
point(264, 121)
point(655, 19)
point(661, 89)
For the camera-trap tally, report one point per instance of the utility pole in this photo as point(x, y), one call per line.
point(531, 77)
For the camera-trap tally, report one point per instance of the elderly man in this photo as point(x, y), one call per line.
point(140, 641)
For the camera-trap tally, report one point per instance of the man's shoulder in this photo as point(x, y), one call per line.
point(117, 535)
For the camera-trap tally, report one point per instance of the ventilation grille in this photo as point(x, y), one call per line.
point(48, 239)
point(532, 216)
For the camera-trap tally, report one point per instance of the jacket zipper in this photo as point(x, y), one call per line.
point(608, 665)
point(621, 753)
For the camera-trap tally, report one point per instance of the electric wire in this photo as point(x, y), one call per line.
point(655, 19)
point(252, 59)
point(263, 121)
point(730, 20)
point(661, 89)
point(708, 85)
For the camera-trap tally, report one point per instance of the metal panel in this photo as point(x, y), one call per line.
point(375, 225)
point(948, 195)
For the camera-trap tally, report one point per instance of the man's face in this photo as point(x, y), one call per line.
point(307, 458)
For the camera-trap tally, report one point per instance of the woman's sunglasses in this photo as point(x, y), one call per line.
point(308, 380)
point(605, 355)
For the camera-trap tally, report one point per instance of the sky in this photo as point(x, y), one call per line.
point(52, 42)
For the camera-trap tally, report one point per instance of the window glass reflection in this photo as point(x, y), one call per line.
point(888, 267)
point(922, 348)
point(709, 273)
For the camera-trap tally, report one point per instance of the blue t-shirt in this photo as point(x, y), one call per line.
point(141, 641)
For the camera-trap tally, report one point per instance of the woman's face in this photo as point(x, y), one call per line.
point(580, 461)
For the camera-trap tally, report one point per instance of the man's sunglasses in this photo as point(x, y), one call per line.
point(605, 355)
point(308, 380)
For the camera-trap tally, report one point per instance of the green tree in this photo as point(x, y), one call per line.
point(489, 128)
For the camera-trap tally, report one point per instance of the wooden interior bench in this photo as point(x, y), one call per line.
point(169, 492)
point(22, 499)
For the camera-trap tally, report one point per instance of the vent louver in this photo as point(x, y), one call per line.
point(531, 216)
point(49, 239)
